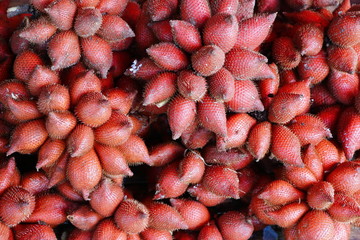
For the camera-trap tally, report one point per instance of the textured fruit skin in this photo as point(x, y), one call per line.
point(28, 137)
point(90, 168)
point(165, 217)
point(233, 225)
point(340, 32)
point(97, 54)
point(181, 113)
point(64, 50)
point(134, 212)
point(253, 31)
point(17, 204)
point(106, 197)
point(221, 30)
point(285, 145)
point(212, 115)
point(87, 22)
point(168, 56)
point(186, 35)
point(208, 60)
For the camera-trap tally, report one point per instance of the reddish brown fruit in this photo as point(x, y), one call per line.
point(168, 56)
point(285, 54)
point(186, 35)
point(309, 39)
point(165, 217)
point(87, 22)
point(212, 115)
point(205, 196)
point(54, 97)
point(181, 113)
point(40, 4)
point(235, 158)
point(62, 13)
point(246, 98)
point(6, 232)
point(238, 127)
point(320, 196)
point(151, 233)
point(17, 204)
point(208, 60)
point(8, 174)
point(349, 184)
point(97, 54)
point(25, 63)
point(314, 67)
point(244, 64)
point(195, 12)
point(66, 190)
point(84, 82)
point(328, 154)
point(84, 218)
point(120, 99)
point(196, 136)
point(106, 197)
point(114, 7)
point(23, 110)
point(160, 10)
point(309, 129)
point(38, 31)
point(222, 181)
point(40, 77)
point(191, 167)
point(285, 106)
point(234, 226)
point(259, 139)
point(114, 28)
point(169, 184)
point(115, 131)
point(135, 151)
point(57, 172)
point(221, 30)
point(344, 209)
point(77, 234)
point(194, 213)
point(285, 145)
point(209, 232)
point(60, 124)
point(253, 31)
point(343, 86)
point(143, 69)
point(107, 229)
point(93, 109)
point(280, 192)
point(88, 169)
point(289, 214)
point(34, 231)
point(343, 30)
point(191, 86)
point(64, 50)
point(80, 141)
point(112, 161)
point(222, 85)
point(342, 59)
point(50, 209)
point(165, 153)
point(34, 182)
point(316, 225)
point(162, 30)
point(348, 130)
point(160, 88)
point(86, 3)
point(132, 216)
point(49, 153)
point(28, 137)
point(227, 6)
point(268, 87)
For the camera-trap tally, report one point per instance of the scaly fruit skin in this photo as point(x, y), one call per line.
point(196, 66)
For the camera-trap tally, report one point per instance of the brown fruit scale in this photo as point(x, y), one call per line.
point(214, 85)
